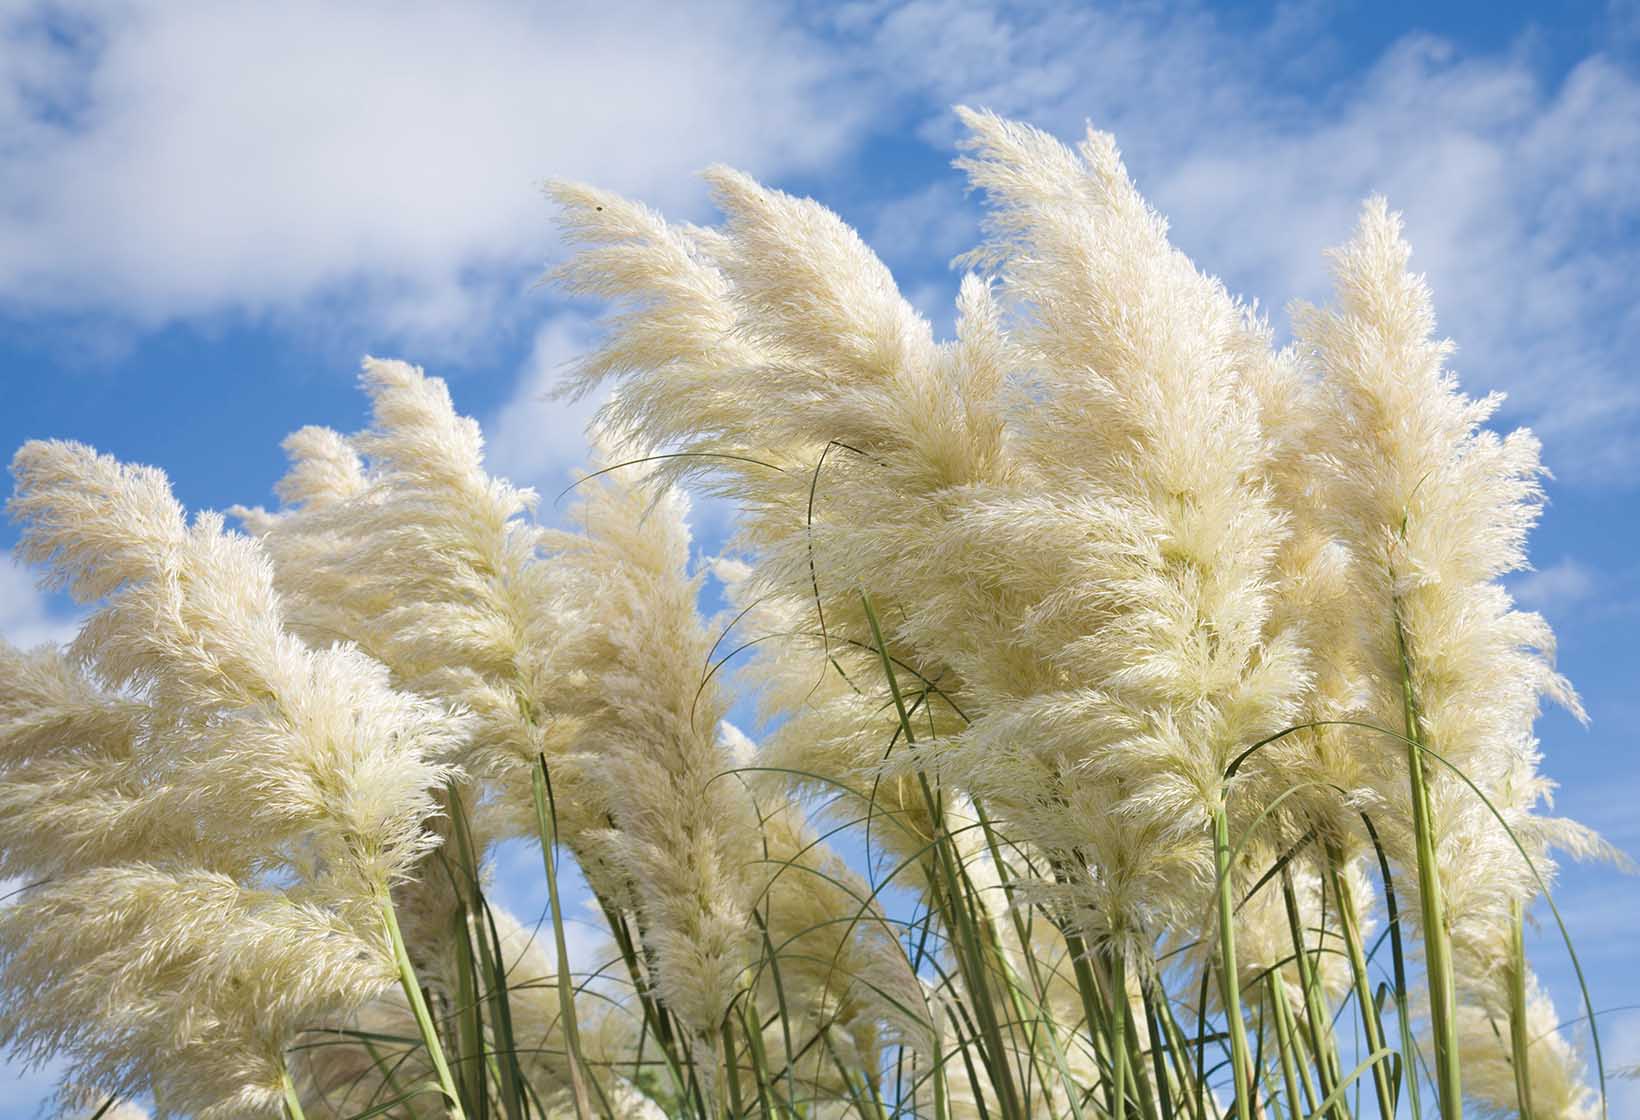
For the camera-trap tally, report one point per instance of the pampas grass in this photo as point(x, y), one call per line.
point(1147, 730)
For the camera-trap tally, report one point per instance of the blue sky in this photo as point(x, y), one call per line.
point(208, 216)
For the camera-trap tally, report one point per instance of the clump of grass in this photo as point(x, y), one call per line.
point(1135, 689)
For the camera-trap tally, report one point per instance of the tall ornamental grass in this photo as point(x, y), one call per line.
point(1148, 734)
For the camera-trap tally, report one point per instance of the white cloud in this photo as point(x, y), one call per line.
point(1175, 70)
point(170, 160)
point(1518, 190)
point(536, 439)
point(1561, 586)
point(926, 227)
point(379, 162)
point(1621, 1033)
point(26, 617)
point(1515, 195)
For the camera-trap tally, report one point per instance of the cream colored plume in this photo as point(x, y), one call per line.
point(398, 539)
point(1020, 532)
point(1018, 605)
point(238, 804)
point(777, 357)
point(1435, 508)
point(1114, 538)
point(681, 835)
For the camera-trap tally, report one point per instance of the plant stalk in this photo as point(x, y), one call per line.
point(546, 817)
point(1118, 1032)
point(1284, 1042)
point(1228, 975)
point(1432, 904)
point(293, 1101)
point(1370, 1022)
point(1317, 1012)
point(418, 1006)
point(1519, 1040)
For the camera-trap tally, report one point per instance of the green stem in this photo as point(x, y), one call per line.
point(964, 936)
point(773, 957)
point(1178, 1049)
point(1432, 905)
point(1351, 927)
point(1167, 1087)
point(418, 1006)
point(1088, 989)
point(760, 1064)
point(473, 1059)
point(1317, 1013)
point(470, 1016)
point(1519, 1041)
point(546, 817)
point(1406, 1073)
point(1301, 1060)
point(1228, 975)
point(293, 1102)
point(1118, 1032)
point(1284, 1042)
point(848, 1076)
point(1041, 1023)
point(726, 1061)
point(655, 1017)
point(1142, 1088)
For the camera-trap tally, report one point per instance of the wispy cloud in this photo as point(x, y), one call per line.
point(1259, 142)
point(1559, 587)
point(174, 160)
point(537, 439)
point(27, 618)
point(372, 164)
point(928, 226)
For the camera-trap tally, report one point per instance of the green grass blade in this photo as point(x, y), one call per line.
point(1229, 975)
point(418, 1007)
point(546, 820)
point(1373, 1026)
point(1443, 997)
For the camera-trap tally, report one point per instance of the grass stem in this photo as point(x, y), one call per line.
point(293, 1100)
point(1519, 1039)
point(1350, 924)
point(546, 817)
point(1432, 904)
point(1229, 978)
point(418, 1007)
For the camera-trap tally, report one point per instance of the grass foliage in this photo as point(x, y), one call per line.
point(1150, 733)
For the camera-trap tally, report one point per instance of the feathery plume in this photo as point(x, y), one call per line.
point(681, 833)
point(1434, 508)
point(266, 796)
